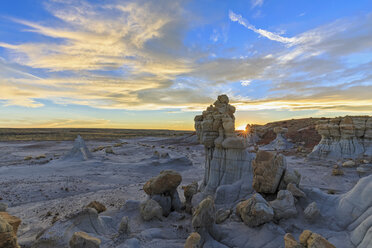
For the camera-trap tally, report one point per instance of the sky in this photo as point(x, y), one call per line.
point(156, 64)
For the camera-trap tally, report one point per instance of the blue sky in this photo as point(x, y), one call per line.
point(155, 64)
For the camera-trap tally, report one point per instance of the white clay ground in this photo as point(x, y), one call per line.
point(40, 190)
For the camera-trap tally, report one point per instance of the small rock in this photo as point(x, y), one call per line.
point(109, 150)
point(124, 225)
point(255, 211)
point(295, 191)
point(151, 209)
point(3, 206)
point(222, 215)
point(337, 171)
point(364, 169)
point(83, 240)
point(348, 164)
point(97, 206)
point(311, 212)
point(193, 240)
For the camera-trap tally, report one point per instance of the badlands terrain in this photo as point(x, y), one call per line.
point(295, 183)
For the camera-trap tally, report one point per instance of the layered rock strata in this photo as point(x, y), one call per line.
point(227, 160)
point(344, 137)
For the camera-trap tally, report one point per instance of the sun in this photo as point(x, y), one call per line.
point(241, 127)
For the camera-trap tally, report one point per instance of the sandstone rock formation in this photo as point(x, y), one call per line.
point(8, 237)
point(344, 137)
point(79, 151)
point(308, 239)
point(227, 160)
point(124, 225)
point(268, 168)
point(11, 220)
point(284, 205)
point(296, 192)
point(280, 142)
point(83, 240)
point(163, 189)
point(255, 211)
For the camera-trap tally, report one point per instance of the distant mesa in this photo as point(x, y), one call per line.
point(79, 151)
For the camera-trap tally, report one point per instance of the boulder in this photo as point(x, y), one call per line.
point(165, 202)
point(83, 240)
point(97, 206)
point(255, 211)
point(268, 168)
point(150, 209)
point(284, 206)
point(166, 181)
point(311, 212)
point(193, 240)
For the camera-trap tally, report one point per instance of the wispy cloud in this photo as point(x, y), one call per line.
point(256, 3)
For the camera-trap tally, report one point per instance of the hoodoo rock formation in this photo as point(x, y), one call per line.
point(227, 160)
point(344, 137)
point(280, 142)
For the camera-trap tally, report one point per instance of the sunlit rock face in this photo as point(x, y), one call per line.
point(344, 137)
point(227, 160)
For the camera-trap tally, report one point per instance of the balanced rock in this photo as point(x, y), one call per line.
point(193, 240)
point(166, 181)
point(255, 211)
point(97, 206)
point(83, 240)
point(268, 168)
point(8, 238)
point(311, 212)
point(151, 209)
point(284, 205)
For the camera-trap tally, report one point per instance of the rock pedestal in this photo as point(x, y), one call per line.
point(227, 160)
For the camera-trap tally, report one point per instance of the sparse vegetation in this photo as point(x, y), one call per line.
point(28, 158)
point(40, 156)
